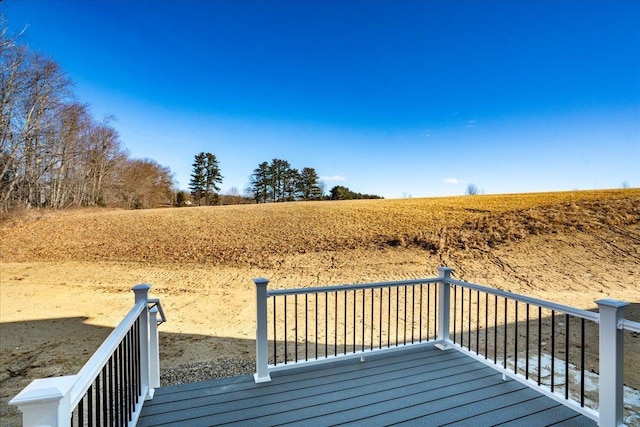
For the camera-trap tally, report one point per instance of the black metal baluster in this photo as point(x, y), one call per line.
point(123, 386)
point(335, 324)
point(435, 314)
point(111, 391)
point(295, 303)
point(138, 373)
point(105, 393)
point(553, 349)
point(566, 353)
point(326, 324)
point(486, 324)
point(515, 341)
point(404, 340)
point(372, 317)
point(420, 308)
point(495, 329)
point(470, 316)
point(455, 311)
point(582, 351)
point(397, 313)
point(526, 355)
point(81, 412)
point(355, 302)
point(285, 330)
point(129, 375)
point(539, 344)
point(478, 322)
point(428, 308)
point(461, 317)
point(275, 334)
point(506, 305)
point(389, 317)
point(316, 319)
point(413, 310)
point(306, 327)
point(380, 339)
point(90, 406)
point(345, 322)
point(364, 317)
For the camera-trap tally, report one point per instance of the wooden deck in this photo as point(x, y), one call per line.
point(418, 386)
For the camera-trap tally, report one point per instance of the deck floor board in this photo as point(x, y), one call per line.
point(415, 386)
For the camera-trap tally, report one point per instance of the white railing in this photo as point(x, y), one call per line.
point(111, 387)
point(514, 334)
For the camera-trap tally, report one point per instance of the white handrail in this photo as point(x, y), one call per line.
point(156, 303)
point(609, 317)
point(351, 287)
point(94, 365)
point(52, 401)
point(629, 325)
point(584, 314)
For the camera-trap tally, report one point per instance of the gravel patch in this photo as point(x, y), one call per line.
point(208, 370)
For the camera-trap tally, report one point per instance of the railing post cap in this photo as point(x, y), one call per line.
point(611, 303)
point(44, 390)
point(141, 292)
point(445, 271)
point(260, 281)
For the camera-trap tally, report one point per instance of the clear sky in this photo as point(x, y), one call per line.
point(396, 98)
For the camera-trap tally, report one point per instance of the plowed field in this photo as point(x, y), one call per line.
point(65, 276)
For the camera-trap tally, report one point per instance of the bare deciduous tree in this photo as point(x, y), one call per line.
point(52, 152)
point(472, 189)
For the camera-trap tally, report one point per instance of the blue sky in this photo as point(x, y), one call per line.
point(397, 98)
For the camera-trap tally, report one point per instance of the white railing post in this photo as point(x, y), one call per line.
point(262, 361)
point(46, 402)
point(443, 307)
point(154, 349)
point(142, 295)
point(611, 375)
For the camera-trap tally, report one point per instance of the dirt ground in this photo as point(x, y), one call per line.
point(53, 316)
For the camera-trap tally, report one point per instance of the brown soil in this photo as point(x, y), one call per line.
point(54, 313)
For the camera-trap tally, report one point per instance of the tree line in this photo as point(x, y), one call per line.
point(279, 182)
point(271, 182)
point(53, 152)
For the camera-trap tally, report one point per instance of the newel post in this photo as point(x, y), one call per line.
point(611, 362)
point(262, 362)
point(154, 349)
point(46, 402)
point(443, 307)
point(142, 295)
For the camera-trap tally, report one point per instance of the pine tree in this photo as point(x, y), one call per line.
point(205, 179)
point(308, 185)
point(198, 178)
point(212, 179)
point(259, 185)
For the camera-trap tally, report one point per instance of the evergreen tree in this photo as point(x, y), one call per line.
point(309, 185)
point(205, 179)
point(340, 192)
point(259, 183)
point(279, 175)
point(212, 179)
point(291, 185)
point(198, 178)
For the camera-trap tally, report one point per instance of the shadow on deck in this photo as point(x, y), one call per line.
point(415, 386)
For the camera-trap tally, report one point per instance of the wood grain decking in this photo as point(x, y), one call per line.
point(419, 386)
